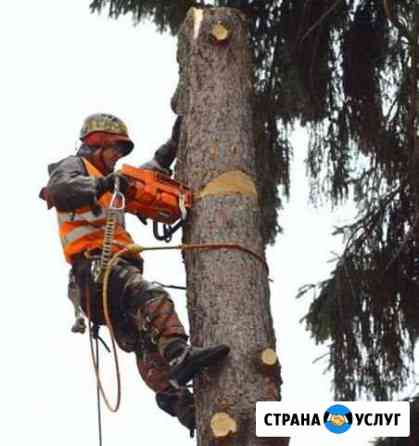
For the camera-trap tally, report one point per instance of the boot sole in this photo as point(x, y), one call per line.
point(194, 365)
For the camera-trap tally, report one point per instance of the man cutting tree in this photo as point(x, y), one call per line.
point(143, 317)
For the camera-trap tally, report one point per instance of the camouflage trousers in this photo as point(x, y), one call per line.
point(143, 317)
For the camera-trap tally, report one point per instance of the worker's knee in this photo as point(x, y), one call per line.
point(150, 308)
point(139, 293)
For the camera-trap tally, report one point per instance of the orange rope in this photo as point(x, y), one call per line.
point(115, 407)
point(137, 249)
point(227, 246)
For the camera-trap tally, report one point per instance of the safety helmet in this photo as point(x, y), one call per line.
point(101, 128)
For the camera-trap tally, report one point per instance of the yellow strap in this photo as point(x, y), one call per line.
point(233, 182)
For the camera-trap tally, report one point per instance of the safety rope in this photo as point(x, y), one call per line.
point(106, 265)
point(174, 287)
point(95, 360)
point(135, 249)
point(99, 411)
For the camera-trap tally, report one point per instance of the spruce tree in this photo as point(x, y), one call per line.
point(347, 70)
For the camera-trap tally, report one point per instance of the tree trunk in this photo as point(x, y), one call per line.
point(228, 292)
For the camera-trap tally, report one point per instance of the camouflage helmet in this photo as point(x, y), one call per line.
point(106, 123)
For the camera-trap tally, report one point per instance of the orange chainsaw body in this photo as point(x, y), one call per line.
point(154, 195)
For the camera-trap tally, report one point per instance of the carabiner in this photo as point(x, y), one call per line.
point(117, 195)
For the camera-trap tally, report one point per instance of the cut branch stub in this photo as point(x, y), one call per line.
point(268, 360)
point(223, 425)
point(219, 34)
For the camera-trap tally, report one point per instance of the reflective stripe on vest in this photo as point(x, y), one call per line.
point(77, 233)
point(83, 229)
point(88, 216)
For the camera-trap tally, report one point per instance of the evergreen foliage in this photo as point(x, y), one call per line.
point(368, 310)
point(347, 70)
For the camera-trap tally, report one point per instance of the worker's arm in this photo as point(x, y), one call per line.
point(70, 188)
point(166, 154)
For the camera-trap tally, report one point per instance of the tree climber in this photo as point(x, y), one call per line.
point(142, 314)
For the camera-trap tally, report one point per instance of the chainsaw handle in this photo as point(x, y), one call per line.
point(168, 230)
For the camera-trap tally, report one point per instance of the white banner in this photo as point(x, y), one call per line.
point(334, 419)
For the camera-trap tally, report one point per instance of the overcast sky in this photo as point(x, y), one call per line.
point(58, 64)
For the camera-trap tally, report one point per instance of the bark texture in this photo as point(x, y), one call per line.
point(228, 292)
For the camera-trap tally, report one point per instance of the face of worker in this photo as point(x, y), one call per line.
point(106, 156)
point(111, 155)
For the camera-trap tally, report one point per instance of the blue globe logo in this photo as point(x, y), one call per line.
point(338, 419)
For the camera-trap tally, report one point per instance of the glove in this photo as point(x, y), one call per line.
point(166, 154)
point(155, 165)
point(107, 184)
point(176, 131)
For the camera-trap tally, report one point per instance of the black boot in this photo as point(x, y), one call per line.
point(179, 403)
point(186, 361)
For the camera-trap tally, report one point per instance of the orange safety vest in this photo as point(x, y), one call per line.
point(82, 229)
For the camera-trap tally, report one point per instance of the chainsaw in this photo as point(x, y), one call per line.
point(154, 195)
